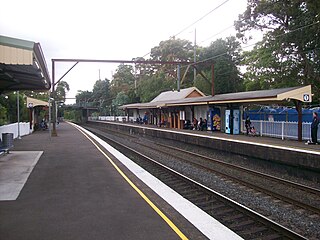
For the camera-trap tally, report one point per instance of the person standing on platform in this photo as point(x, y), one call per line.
point(314, 129)
point(247, 124)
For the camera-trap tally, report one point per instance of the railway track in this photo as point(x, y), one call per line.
point(265, 188)
point(238, 178)
point(245, 222)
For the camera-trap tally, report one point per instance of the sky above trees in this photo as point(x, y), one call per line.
point(111, 29)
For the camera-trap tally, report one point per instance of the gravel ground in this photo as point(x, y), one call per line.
point(299, 221)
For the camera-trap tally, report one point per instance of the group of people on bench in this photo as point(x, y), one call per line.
point(200, 125)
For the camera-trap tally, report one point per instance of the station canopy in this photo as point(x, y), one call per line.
point(302, 94)
point(32, 102)
point(22, 65)
point(165, 97)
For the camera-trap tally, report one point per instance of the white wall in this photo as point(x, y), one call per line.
point(13, 128)
point(201, 112)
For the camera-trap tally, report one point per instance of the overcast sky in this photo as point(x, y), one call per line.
point(111, 29)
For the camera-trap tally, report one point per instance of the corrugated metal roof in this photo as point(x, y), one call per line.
point(175, 95)
point(15, 42)
point(23, 75)
point(251, 96)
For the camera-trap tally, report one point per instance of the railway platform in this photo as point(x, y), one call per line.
point(67, 187)
point(289, 152)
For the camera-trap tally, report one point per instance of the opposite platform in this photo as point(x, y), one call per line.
point(291, 153)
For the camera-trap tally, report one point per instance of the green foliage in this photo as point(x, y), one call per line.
point(123, 79)
point(172, 50)
point(203, 85)
point(44, 96)
point(61, 91)
point(8, 108)
point(121, 99)
point(101, 95)
point(143, 82)
point(225, 56)
point(3, 115)
point(150, 87)
point(73, 115)
point(84, 98)
point(289, 54)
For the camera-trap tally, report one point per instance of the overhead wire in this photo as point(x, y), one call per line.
point(252, 44)
point(216, 34)
point(190, 25)
point(291, 31)
point(184, 29)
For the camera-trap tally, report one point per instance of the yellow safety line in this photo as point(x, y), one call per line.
point(155, 208)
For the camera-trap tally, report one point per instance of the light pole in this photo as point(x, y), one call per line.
point(195, 55)
point(50, 100)
point(18, 114)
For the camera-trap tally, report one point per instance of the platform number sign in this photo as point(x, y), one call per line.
point(306, 97)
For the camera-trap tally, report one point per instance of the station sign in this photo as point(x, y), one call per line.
point(306, 97)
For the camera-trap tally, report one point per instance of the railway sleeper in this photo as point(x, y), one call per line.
point(261, 230)
point(183, 189)
point(235, 217)
point(203, 200)
point(193, 195)
point(222, 213)
point(271, 237)
point(241, 224)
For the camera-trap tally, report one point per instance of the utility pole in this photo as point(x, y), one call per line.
point(18, 114)
point(178, 78)
point(195, 55)
point(54, 130)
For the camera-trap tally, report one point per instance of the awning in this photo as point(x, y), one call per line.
point(32, 102)
point(302, 94)
point(22, 66)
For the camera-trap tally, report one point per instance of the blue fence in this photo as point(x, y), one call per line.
point(281, 114)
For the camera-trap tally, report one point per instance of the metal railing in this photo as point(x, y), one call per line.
point(112, 118)
point(281, 129)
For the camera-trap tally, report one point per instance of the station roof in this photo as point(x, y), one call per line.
point(175, 95)
point(169, 96)
point(262, 96)
point(32, 102)
point(22, 65)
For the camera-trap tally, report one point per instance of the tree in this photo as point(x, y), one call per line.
point(61, 91)
point(151, 86)
point(123, 80)
point(8, 108)
point(225, 56)
point(289, 53)
point(44, 96)
point(84, 98)
point(121, 99)
point(101, 95)
point(172, 50)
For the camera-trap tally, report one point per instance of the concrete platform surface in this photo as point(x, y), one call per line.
point(209, 226)
point(272, 142)
point(15, 169)
point(74, 193)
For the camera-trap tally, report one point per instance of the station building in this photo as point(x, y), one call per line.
point(23, 67)
point(223, 112)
